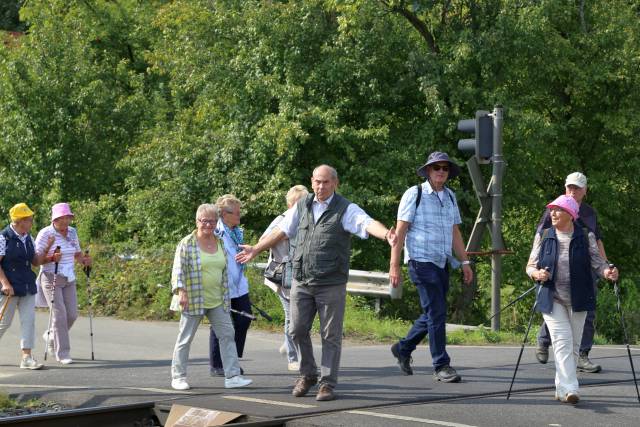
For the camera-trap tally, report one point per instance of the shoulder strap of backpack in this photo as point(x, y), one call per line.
point(419, 196)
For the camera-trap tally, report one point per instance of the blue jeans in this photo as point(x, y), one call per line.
point(292, 354)
point(432, 283)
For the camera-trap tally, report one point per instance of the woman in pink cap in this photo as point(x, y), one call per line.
point(562, 260)
point(64, 296)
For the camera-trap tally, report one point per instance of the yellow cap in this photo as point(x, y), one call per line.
point(19, 211)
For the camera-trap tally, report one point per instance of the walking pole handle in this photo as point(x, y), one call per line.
point(86, 268)
point(56, 251)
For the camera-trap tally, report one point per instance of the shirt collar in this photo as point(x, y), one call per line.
point(17, 234)
point(327, 201)
point(429, 188)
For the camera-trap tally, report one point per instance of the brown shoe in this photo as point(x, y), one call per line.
point(325, 392)
point(302, 385)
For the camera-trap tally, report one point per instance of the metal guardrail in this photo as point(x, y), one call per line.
point(370, 283)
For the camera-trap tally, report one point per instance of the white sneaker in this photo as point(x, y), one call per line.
point(293, 366)
point(283, 349)
point(66, 361)
point(30, 363)
point(180, 384)
point(236, 382)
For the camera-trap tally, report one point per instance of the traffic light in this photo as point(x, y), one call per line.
point(482, 142)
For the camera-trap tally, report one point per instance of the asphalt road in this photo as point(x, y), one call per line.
point(133, 361)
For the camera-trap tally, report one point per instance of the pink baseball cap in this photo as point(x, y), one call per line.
point(60, 209)
point(567, 204)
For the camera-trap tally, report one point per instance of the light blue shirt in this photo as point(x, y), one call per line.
point(430, 234)
point(355, 220)
point(237, 281)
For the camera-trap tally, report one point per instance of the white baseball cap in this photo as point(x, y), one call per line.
point(576, 178)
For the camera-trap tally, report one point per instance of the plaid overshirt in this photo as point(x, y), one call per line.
point(187, 274)
point(430, 234)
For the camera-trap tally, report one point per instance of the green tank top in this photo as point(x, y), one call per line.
point(212, 266)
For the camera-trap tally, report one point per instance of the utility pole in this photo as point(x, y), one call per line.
point(486, 148)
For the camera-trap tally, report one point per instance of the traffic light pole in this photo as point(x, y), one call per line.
point(497, 243)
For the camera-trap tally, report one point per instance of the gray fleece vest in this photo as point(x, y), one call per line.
point(322, 249)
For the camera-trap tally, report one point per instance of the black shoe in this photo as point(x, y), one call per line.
point(403, 361)
point(446, 374)
point(542, 354)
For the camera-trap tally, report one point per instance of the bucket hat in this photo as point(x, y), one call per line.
point(435, 157)
point(60, 209)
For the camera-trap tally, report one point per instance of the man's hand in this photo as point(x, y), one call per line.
point(247, 254)
point(392, 236)
point(395, 275)
point(7, 289)
point(467, 273)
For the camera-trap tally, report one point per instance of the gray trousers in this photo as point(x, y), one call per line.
point(223, 327)
point(65, 311)
point(329, 303)
point(27, 307)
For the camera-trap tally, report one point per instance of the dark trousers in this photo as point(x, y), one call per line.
point(241, 325)
point(544, 339)
point(432, 283)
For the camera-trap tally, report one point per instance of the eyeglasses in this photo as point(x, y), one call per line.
point(207, 221)
point(438, 167)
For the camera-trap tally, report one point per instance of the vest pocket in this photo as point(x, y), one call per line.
point(324, 266)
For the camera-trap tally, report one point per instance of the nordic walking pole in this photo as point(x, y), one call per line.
point(243, 313)
point(524, 294)
point(616, 290)
point(4, 307)
point(53, 293)
point(87, 271)
point(526, 335)
point(262, 312)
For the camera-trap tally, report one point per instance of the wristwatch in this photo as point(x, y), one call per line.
point(467, 262)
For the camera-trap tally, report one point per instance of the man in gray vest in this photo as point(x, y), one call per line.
point(321, 226)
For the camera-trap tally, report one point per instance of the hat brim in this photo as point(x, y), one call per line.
point(454, 170)
point(551, 205)
point(53, 218)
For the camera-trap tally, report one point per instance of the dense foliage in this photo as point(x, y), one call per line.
point(137, 112)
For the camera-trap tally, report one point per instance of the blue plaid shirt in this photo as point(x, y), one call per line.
point(431, 225)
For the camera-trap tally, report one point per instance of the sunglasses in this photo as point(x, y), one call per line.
point(438, 167)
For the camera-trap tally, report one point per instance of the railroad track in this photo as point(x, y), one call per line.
point(134, 415)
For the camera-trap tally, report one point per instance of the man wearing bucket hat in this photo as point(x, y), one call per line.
point(17, 255)
point(427, 226)
point(562, 260)
point(63, 294)
point(576, 187)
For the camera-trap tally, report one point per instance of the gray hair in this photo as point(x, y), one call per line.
point(207, 209)
point(227, 202)
point(295, 193)
point(332, 171)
